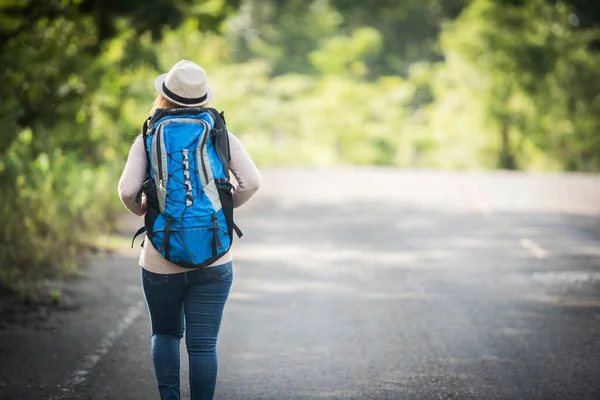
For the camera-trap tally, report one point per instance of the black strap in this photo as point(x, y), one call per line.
point(183, 100)
point(138, 197)
point(220, 131)
point(138, 233)
point(217, 239)
point(164, 246)
point(221, 139)
point(222, 114)
point(214, 242)
point(146, 125)
point(145, 139)
point(237, 230)
point(228, 145)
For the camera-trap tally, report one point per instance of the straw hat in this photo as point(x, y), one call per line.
point(186, 84)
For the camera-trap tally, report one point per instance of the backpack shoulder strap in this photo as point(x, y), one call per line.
point(145, 129)
point(138, 197)
point(221, 137)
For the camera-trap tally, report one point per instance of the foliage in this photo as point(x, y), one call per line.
point(41, 232)
point(56, 169)
point(282, 32)
point(530, 77)
point(419, 83)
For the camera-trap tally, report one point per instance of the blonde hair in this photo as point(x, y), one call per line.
point(161, 102)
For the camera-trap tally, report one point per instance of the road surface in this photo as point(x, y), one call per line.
point(359, 283)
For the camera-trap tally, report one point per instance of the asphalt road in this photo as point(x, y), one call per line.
point(359, 284)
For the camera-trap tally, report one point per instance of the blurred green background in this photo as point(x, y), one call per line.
point(453, 84)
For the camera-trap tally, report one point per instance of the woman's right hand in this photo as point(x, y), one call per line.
point(144, 205)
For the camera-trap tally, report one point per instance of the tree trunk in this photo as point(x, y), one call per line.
point(507, 159)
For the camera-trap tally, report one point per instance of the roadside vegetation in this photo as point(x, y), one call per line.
point(450, 84)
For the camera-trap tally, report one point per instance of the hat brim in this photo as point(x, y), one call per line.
point(158, 84)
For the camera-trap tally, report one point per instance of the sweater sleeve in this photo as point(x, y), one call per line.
point(133, 177)
point(244, 170)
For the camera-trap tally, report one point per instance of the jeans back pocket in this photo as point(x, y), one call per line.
point(154, 279)
point(219, 272)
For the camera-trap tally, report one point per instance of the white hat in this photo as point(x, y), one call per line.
point(186, 84)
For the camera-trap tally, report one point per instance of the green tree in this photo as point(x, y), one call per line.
point(283, 32)
point(516, 63)
point(409, 29)
point(48, 51)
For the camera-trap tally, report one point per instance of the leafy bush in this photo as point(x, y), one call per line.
point(51, 201)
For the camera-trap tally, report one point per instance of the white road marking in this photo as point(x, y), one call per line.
point(534, 248)
point(81, 374)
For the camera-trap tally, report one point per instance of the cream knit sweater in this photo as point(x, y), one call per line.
point(242, 167)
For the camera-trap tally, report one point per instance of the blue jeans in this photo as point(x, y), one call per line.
point(200, 296)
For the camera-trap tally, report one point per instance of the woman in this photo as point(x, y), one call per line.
point(171, 291)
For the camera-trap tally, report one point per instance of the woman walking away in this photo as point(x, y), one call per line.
point(177, 177)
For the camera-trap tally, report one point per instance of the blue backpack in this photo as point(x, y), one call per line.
point(189, 217)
